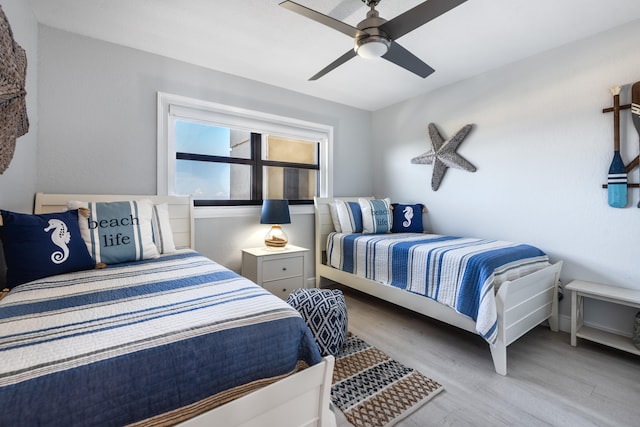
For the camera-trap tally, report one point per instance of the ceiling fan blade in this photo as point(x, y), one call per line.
point(418, 16)
point(322, 19)
point(345, 9)
point(344, 58)
point(407, 60)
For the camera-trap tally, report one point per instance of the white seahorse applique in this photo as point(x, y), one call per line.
point(408, 214)
point(60, 237)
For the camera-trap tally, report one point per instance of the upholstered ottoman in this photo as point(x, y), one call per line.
point(325, 312)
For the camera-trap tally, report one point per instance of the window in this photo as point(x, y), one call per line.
point(225, 156)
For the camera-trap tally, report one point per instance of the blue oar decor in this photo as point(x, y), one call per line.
point(617, 184)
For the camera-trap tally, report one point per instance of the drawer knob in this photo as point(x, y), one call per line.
point(284, 268)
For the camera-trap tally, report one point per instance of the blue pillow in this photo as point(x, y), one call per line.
point(37, 246)
point(407, 218)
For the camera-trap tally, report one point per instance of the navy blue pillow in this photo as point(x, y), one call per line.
point(407, 218)
point(37, 246)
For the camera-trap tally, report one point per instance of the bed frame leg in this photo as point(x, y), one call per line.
point(499, 355)
point(553, 319)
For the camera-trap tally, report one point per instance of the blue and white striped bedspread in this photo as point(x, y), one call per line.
point(119, 345)
point(456, 271)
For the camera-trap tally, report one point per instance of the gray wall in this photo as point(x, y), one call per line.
point(542, 147)
point(98, 129)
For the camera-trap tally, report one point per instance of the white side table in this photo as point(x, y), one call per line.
point(614, 294)
point(278, 271)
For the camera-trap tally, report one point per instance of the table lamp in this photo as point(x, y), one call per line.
point(275, 212)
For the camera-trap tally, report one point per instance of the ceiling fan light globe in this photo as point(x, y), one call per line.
point(372, 47)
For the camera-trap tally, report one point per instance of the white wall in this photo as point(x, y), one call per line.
point(98, 129)
point(18, 182)
point(542, 147)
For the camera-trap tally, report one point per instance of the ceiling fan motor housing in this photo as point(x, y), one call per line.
point(372, 42)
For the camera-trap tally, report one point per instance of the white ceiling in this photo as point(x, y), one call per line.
point(260, 40)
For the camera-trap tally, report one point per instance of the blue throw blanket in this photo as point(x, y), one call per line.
point(119, 345)
point(462, 273)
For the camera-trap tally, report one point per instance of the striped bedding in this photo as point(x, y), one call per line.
point(115, 346)
point(462, 273)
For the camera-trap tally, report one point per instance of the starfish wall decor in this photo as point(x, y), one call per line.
point(443, 154)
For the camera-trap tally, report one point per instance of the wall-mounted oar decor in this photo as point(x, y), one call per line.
point(617, 179)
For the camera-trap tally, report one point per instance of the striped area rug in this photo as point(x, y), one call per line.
point(374, 390)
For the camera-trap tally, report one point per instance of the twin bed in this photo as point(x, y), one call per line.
point(171, 339)
point(498, 290)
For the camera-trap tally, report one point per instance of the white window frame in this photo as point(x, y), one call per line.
point(172, 107)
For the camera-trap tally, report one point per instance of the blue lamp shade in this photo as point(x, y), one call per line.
point(275, 212)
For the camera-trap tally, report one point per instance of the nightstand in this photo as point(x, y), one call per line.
point(279, 272)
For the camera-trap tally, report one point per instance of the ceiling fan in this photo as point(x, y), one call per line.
point(375, 36)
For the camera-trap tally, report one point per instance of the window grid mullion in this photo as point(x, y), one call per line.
point(256, 172)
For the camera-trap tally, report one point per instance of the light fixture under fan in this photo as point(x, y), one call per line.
point(375, 37)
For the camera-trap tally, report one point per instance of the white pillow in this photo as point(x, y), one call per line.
point(349, 216)
point(376, 215)
point(334, 216)
point(162, 233)
point(116, 232)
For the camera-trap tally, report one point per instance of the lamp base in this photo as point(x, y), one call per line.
point(276, 238)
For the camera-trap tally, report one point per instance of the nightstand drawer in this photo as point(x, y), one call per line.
point(280, 272)
point(275, 269)
point(282, 288)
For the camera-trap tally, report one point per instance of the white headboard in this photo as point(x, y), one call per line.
point(180, 210)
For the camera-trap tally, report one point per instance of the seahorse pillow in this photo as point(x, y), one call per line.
point(37, 246)
point(407, 218)
point(116, 232)
point(376, 215)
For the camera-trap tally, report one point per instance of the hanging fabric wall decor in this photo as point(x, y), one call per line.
point(13, 108)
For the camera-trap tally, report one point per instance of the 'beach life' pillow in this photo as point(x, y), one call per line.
point(117, 232)
point(376, 215)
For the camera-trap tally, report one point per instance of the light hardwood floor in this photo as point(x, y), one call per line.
point(549, 382)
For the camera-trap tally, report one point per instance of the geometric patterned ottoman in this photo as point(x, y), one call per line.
point(325, 312)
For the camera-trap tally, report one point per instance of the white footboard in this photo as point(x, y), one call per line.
point(300, 400)
point(522, 305)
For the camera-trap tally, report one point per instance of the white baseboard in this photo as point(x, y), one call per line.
point(311, 282)
point(564, 323)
